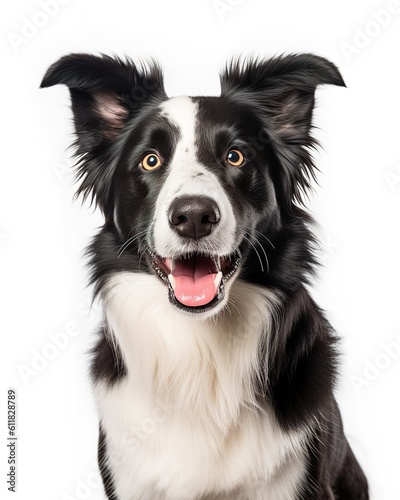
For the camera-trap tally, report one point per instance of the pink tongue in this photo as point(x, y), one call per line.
point(195, 292)
point(194, 281)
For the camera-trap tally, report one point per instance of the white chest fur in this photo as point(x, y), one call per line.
point(184, 424)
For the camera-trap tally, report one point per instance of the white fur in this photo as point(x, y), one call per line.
point(184, 180)
point(184, 423)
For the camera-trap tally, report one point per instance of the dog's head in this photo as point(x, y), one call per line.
point(194, 184)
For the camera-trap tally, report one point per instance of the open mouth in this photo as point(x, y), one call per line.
point(196, 282)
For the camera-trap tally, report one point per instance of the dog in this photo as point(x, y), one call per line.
point(214, 369)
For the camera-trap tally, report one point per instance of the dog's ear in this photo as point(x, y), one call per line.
point(105, 93)
point(282, 91)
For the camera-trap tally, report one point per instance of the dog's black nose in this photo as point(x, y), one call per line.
point(193, 217)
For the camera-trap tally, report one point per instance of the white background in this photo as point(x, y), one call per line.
point(42, 233)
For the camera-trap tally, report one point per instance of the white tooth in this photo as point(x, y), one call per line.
point(218, 280)
point(170, 264)
point(171, 280)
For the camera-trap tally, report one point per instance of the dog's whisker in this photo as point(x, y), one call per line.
point(255, 249)
point(134, 228)
point(123, 247)
point(265, 237)
point(129, 241)
point(263, 250)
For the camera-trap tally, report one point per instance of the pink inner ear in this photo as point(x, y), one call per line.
point(293, 115)
point(110, 109)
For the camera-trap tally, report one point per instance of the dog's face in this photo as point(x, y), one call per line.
point(193, 184)
point(192, 190)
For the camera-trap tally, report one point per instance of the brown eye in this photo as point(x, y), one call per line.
point(150, 162)
point(235, 158)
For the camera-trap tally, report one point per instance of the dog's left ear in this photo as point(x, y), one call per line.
point(282, 91)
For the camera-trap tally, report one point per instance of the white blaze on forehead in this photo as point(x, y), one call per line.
point(181, 111)
point(188, 177)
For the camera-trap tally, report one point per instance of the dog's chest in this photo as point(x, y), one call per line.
point(183, 424)
point(157, 453)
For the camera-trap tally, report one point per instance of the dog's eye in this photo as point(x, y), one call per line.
point(150, 162)
point(235, 158)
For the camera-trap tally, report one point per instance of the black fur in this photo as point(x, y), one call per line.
point(266, 108)
point(105, 471)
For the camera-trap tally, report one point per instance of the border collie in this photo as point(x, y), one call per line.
point(214, 369)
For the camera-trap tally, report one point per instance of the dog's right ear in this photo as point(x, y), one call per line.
point(105, 93)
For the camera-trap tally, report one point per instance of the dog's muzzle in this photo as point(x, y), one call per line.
point(196, 279)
